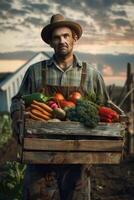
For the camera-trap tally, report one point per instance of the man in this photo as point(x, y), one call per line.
point(63, 72)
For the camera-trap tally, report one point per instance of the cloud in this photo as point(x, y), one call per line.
point(101, 19)
point(122, 22)
point(107, 70)
point(18, 55)
point(121, 13)
point(40, 7)
point(106, 23)
point(5, 5)
point(118, 80)
point(9, 28)
point(100, 11)
point(118, 63)
point(108, 27)
point(18, 12)
point(122, 73)
point(33, 21)
point(23, 15)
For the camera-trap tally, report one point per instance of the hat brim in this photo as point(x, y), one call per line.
point(47, 30)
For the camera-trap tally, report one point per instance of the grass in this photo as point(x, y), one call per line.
point(5, 129)
point(11, 181)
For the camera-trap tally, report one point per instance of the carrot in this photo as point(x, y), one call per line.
point(43, 105)
point(40, 114)
point(35, 117)
point(34, 106)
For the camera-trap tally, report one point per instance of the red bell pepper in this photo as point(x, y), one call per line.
point(107, 114)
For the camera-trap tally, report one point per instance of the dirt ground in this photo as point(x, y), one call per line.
point(108, 182)
point(113, 182)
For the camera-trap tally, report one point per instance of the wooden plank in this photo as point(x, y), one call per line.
point(74, 129)
point(73, 145)
point(70, 158)
point(131, 120)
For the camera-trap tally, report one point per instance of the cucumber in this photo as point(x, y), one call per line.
point(35, 96)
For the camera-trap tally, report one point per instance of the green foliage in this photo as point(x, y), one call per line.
point(11, 181)
point(12, 173)
point(5, 129)
point(85, 112)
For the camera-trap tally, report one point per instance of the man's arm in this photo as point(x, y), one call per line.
point(102, 95)
point(16, 102)
point(25, 88)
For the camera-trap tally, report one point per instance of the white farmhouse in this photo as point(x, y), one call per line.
point(10, 82)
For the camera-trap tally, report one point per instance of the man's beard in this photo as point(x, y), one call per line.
point(63, 53)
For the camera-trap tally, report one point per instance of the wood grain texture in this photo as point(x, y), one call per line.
point(73, 145)
point(71, 158)
point(67, 128)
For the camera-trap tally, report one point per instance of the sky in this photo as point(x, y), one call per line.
point(108, 32)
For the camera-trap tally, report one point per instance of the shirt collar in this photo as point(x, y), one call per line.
point(50, 61)
point(76, 63)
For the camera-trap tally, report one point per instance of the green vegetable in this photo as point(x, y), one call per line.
point(85, 112)
point(35, 96)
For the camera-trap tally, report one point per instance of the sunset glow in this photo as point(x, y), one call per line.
point(10, 65)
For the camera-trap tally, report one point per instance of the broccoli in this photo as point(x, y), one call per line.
point(85, 112)
point(72, 115)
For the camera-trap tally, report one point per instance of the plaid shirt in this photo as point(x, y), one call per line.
point(56, 76)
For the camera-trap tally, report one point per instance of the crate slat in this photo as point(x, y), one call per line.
point(73, 128)
point(72, 145)
point(71, 158)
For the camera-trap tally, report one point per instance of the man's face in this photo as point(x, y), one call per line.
point(62, 41)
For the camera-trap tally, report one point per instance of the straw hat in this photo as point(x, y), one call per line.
point(56, 21)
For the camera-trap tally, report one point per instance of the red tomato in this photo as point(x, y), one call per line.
point(74, 96)
point(58, 96)
point(64, 103)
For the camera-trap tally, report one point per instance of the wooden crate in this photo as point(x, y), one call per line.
point(71, 143)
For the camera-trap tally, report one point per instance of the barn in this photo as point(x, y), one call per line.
point(10, 82)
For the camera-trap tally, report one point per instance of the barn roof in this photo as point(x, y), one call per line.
point(5, 77)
